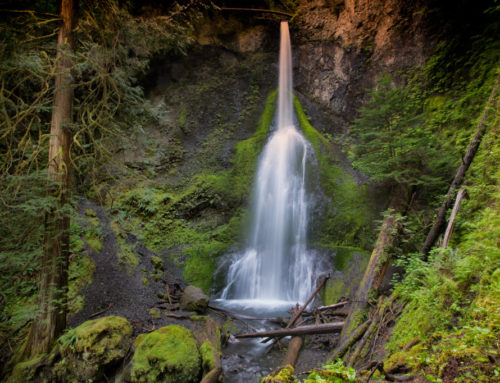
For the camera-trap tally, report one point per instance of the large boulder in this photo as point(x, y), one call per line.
point(93, 348)
point(194, 299)
point(167, 355)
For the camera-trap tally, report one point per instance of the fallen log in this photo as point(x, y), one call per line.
point(294, 347)
point(449, 229)
point(212, 376)
point(324, 328)
point(379, 261)
point(313, 313)
point(101, 312)
point(374, 366)
point(259, 10)
point(299, 312)
point(292, 354)
point(340, 304)
point(373, 326)
point(348, 342)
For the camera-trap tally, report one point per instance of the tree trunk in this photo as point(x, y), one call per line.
point(379, 261)
point(438, 225)
point(50, 319)
point(324, 328)
point(451, 223)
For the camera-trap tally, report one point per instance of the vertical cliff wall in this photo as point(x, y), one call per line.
point(343, 46)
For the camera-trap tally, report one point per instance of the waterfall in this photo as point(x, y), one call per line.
point(275, 265)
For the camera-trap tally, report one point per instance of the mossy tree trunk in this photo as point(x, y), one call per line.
point(377, 266)
point(50, 319)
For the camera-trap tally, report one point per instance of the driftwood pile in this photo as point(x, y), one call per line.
point(321, 320)
point(325, 320)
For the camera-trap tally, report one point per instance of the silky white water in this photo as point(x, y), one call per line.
point(275, 266)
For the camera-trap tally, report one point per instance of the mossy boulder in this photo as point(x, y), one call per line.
point(208, 356)
point(93, 348)
point(194, 299)
point(167, 355)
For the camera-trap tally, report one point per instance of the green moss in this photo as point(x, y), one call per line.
point(199, 318)
point(92, 217)
point(157, 262)
point(200, 265)
point(284, 375)
point(26, 371)
point(88, 336)
point(81, 269)
point(357, 318)
point(94, 240)
point(126, 253)
point(247, 151)
point(155, 313)
point(348, 221)
point(169, 355)
point(88, 350)
point(343, 255)
point(333, 291)
point(229, 328)
point(350, 264)
point(208, 356)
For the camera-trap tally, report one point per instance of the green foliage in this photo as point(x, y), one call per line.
point(391, 143)
point(332, 372)
point(284, 375)
point(452, 301)
point(111, 50)
point(94, 239)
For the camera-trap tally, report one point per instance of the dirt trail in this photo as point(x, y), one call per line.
point(117, 290)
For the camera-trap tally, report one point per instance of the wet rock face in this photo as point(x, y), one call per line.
point(341, 47)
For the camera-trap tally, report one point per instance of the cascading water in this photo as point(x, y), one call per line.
point(275, 266)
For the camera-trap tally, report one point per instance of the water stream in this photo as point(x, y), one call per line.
point(275, 270)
